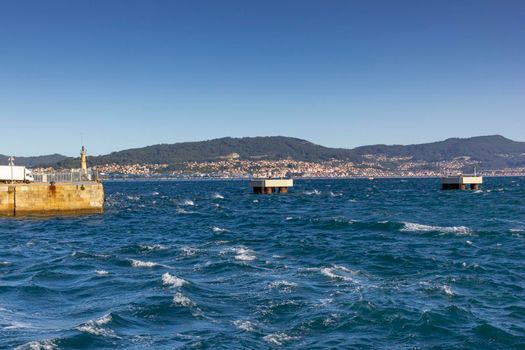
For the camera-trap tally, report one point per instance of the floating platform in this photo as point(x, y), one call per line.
point(269, 186)
point(51, 198)
point(461, 182)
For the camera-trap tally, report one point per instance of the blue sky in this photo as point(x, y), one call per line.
point(339, 73)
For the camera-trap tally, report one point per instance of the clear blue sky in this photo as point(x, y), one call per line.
point(338, 73)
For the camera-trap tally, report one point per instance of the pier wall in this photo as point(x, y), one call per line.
point(45, 198)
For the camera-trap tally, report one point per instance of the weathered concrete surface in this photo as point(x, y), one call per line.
point(7, 202)
point(269, 186)
point(462, 179)
point(44, 198)
point(271, 183)
point(460, 182)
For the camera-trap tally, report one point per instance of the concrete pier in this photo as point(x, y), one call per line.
point(269, 186)
point(51, 198)
point(461, 182)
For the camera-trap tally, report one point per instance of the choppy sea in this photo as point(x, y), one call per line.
point(341, 264)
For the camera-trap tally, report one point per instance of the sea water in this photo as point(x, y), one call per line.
point(383, 264)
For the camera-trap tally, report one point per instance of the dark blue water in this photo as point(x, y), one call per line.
point(383, 264)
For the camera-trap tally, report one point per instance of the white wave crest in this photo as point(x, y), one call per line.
point(283, 286)
point(219, 229)
point(102, 272)
point(142, 264)
point(218, 196)
point(152, 247)
point(16, 325)
point(340, 272)
point(171, 280)
point(244, 254)
point(279, 338)
point(447, 290)
point(432, 287)
point(86, 255)
point(414, 227)
point(244, 325)
point(38, 345)
point(241, 253)
point(188, 202)
point(182, 300)
point(96, 327)
point(314, 192)
point(188, 251)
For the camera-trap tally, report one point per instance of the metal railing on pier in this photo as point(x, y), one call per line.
point(73, 175)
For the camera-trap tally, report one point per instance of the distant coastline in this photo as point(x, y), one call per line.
point(279, 156)
point(258, 154)
point(160, 179)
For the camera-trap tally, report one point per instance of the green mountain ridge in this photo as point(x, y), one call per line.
point(492, 151)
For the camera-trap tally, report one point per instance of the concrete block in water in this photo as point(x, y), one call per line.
point(46, 198)
point(269, 186)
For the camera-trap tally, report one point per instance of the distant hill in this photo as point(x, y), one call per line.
point(494, 152)
point(35, 161)
point(271, 147)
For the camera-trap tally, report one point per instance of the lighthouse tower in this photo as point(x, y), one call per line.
point(83, 161)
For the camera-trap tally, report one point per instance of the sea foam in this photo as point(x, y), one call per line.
point(142, 264)
point(172, 281)
point(38, 345)
point(241, 253)
point(339, 272)
point(182, 300)
point(447, 290)
point(283, 286)
point(16, 325)
point(314, 192)
point(188, 251)
point(244, 325)
point(415, 227)
point(244, 254)
point(153, 247)
point(279, 338)
point(96, 327)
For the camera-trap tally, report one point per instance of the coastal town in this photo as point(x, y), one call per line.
point(232, 167)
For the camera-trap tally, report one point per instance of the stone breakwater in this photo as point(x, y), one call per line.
point(45, 198)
